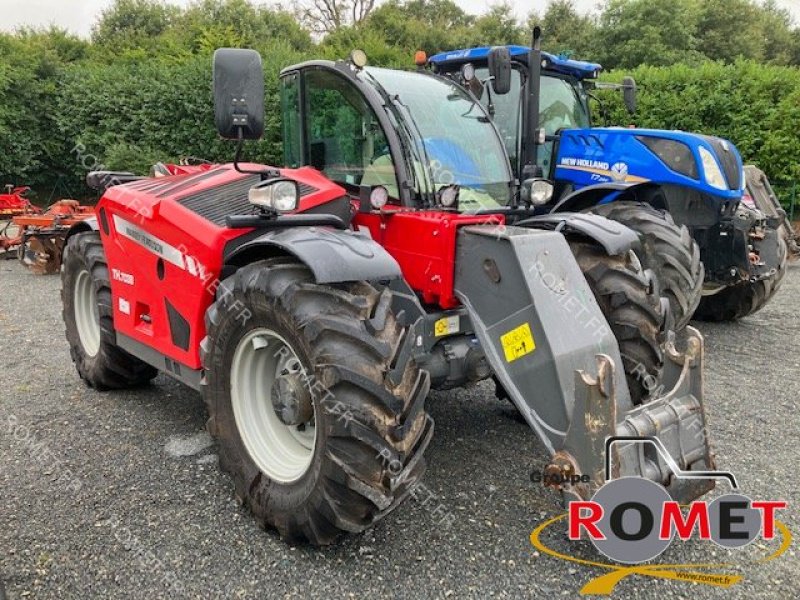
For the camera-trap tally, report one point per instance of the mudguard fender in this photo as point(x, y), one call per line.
point(89, 224)
point(592, 195)
point(332, 255)
point(614, 237)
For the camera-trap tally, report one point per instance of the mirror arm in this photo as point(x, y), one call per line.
point(265, 174)
point(603, 109)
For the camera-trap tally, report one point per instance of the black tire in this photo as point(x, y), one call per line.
point(631, 304)
point(110, 367)
point(744, 298)
point(667, 249)
point(348, 338)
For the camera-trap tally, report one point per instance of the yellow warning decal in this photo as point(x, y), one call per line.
point(518, 342)
point(446, 326)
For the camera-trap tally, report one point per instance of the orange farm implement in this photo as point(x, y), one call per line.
point(34, 236)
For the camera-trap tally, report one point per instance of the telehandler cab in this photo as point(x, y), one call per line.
point(315, 305)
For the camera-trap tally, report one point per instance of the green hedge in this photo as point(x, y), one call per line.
point(125, 116)
point(755, 106)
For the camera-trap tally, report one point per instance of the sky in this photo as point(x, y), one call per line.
point(78, 15)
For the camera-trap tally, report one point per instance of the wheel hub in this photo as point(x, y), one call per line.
point(272, 405)
point(291, 399)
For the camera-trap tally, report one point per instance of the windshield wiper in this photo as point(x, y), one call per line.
point(410, 151)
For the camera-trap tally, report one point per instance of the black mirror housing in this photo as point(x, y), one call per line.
point(629, 93)
point(500, 69)
point(238, 94)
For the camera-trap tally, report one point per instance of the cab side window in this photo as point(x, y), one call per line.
point(345, 140)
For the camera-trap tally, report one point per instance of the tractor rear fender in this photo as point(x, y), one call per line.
point(89, 224)
point(593, 195)
point(614, 237)
point(547, 341)
point(333, 256)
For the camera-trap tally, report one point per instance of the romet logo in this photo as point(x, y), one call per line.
point(632, 520)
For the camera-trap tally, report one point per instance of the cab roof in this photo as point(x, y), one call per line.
point(576, 68)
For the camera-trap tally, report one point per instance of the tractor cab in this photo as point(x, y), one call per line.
point(564, 94)
point(414, 139)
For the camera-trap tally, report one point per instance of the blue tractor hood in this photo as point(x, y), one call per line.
point(708, 164)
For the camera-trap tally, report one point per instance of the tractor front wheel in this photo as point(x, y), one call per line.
point(668, 249)
point(631, 305)
point(314, 399)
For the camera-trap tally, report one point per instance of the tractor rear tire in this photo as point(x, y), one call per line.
point(89, 319)
point(744, 298)
point(357, 452)
point(634, 311)
point(669, 250)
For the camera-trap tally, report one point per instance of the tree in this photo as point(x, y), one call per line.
point(327, 16)
point(131, 22)
point(429, 25)
point(724, 33)
point(651, 32)
point(498, 26)
point(776, 30)
point(565, 31)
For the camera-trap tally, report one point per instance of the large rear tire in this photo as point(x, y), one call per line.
point(669, 250)
point(744, 298)
point(338, 441)
point(631, 304)
point(89, 319)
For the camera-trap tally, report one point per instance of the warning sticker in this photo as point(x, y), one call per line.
point(518, 342)
point(446, 326)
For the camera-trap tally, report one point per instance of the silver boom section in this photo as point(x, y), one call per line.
point(550, 346)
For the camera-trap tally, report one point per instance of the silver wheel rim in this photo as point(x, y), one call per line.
point(87, 317)
point(283, 452)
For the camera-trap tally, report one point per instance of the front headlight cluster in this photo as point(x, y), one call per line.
point(713, 173)
point(280, 195)
point(678, 156)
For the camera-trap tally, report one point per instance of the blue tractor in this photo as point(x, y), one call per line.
point(716, 258)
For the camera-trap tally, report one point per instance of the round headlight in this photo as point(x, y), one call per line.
point(541, 192)
point(284, 196)
point(359, 58)
point(280, 195)
point(449, 196)
point(468, 72)
point(378, 197)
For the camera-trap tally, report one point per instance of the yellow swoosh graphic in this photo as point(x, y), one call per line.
point(604, 173)
point(603, 585)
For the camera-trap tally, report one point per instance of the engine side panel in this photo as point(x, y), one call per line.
point(164, 239)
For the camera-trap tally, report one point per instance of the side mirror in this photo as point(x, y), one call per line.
point(238, 94)
point(500, 69)
point(629, 94)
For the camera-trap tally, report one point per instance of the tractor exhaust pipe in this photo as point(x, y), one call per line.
point(531, 125)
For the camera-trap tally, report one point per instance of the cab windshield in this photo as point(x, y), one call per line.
point(562, 105)
point(452, 140)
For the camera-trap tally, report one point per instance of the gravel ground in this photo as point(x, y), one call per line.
point(118, 495)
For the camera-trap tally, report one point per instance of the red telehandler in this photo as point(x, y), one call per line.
point(315, 305)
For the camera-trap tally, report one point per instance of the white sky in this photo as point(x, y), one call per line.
point(78, 15)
